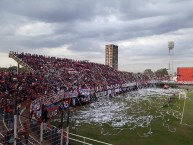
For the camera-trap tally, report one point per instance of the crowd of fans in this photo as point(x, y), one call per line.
point(52, 74)
point(60, 72)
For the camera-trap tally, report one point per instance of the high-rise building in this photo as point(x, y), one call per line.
point(111, 56)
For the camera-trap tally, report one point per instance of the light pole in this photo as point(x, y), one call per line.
point(170, 65)
point(67, 128)
point(15, 119)
point(62, 122)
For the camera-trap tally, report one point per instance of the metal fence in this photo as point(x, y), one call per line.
point(85, 140)
point(13, 132)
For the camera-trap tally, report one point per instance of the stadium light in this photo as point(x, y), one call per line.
point(170, 64)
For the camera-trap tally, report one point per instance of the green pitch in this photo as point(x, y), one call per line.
point(152, 121)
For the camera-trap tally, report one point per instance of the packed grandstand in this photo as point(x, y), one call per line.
point(52, 80)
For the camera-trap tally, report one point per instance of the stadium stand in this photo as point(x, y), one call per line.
point(50, 76)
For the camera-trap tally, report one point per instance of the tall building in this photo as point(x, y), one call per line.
point(111, 56)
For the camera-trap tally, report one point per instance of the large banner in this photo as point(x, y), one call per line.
point(48, 100)
point(85, 92)
point(102, 93)
point(53, 103)
point(63, 100)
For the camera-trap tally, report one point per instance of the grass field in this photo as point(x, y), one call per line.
point(134, 119)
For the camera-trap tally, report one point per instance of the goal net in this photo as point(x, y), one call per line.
point(182, 95)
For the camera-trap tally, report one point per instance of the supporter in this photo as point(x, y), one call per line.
point(1, 108)
point(9, 139)
point(24, 132)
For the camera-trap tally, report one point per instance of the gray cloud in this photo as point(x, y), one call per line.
point(87, 25)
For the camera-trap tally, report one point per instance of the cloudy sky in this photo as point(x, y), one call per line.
point(80, 29)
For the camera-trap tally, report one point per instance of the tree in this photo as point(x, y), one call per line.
point(148, 72)
point(161, 72)
point(12, 68)
point(3, 69)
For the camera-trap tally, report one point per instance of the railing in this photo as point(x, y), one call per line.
point(31, 137)
point(8, 134)
point(3, 129)
point(86, 138)
point(11, 55)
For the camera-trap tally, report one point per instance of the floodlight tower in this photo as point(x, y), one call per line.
point(170, 65)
